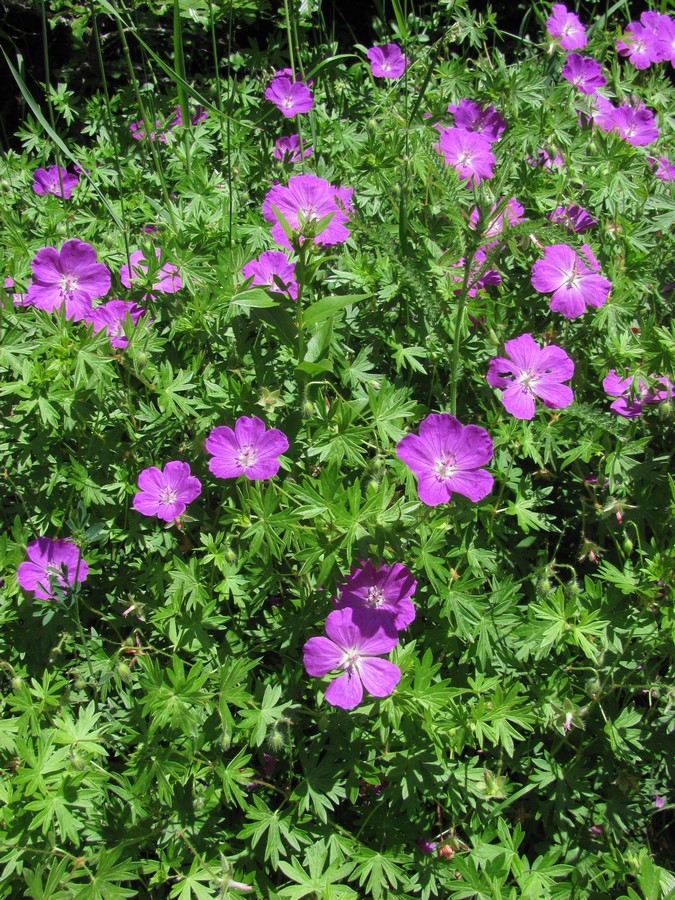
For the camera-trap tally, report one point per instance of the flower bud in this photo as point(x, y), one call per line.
point(16, 683)
point(5, 185)
point(276, 740)
point(307, 409)
point(78, 761)
point(124, 671)
point(544, 587)
point(225, 740)
point(108, 241)
point(61, 230)
point(572, 588)
point(79, 684)
point(230, 556)
point(627, 545)
point(665, 409)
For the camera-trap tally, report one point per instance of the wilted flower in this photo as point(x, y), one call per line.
point(165, 493)
point(566, 27)
point(70, 277)
point(469, 115)
point(447, 456)
point(290, 97)
point(468, 152)
point(531, 372)
point(303, 203)
point(52, 567)
point(112, 316)
point(168, 279)
point(287, 149)
point(273, 271)
point(250, 450)
point(632, 396)
point(387, 61)
point(54, 180)
point(380, 596)
point(573, 283)
point(347, 648)
point(573, 217)
point(584, 73)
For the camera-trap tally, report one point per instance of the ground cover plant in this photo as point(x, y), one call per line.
point(337, 412)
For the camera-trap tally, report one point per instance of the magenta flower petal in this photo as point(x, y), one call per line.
point(273, 271)
point(345, 691)
point(51, 565)
point(387, 61)
point(573, 283)
point(69, 278)
point(47, 181)
point(290, 97)
point(321, 656)
point(379, 676)
point(166, 493)
point(584, 73)
point(168, 276)
point(470, 116)
point(446, 456)
point(468, 152)
point(305, 201)
point(112, 316)
point(379, 596)
point(518, 401)
point(566, 27)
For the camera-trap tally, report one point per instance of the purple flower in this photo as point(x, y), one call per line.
point(287, 149)
point(659, 801)
point(544, 159)
point(305, 201)
point(639, 45)
point(387, 61)
point(273, 271)
point(635, 124)
point(70, 277)
point(479, 278)
point(380, 597)
point(468, 152)
point(664, 170)
point(470, 116)
point(567, 27)
point(447, 456)
point(531, 371)
point(602, 113)
point(112, 316)
point(573, 283)
point(139, 131)
point(17, 299)
point(52, 567)
point(348, 649)
point(509, 214)
point(196, 116)
point(250, 450)
point(426, 846)
point(632, 397)
point(664, 29)
point(46, 181)
point(168, 276)
point(290, 97)
point(584, 73)
point(165, 493)
point(573, 217)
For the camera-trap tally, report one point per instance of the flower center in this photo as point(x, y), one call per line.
point(68, 283)
point(168, 494)
point(445, 466)
point(375, 597)
point(351, 660)
point(287, 102)
point(527, 378)
point(385, 66)
point(572, 279)
point(247, 456)
point(116, 329)
point(464, 158)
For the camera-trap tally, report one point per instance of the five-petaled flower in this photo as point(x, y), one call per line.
point(52, 567)
point(290, 97)
point(167, 278)
point(287, 149)
point(633, 393)
point(380, 596)
point(574, 284)
point(70, 277)
point(447, 457)
point(387, 61)
point(531, 371)
point(55, 180)
point(165, 493)
point(468, 152)
point(251, 449)
point(358, 656)
point(469, 115)
point(566, 27)
point(584, 73)
point(273, 271)
point(112, 316)
point(303, 203)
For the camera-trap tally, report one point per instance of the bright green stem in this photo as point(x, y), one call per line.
point(48, 83)
point(179, 66)
point(459, 318)
point(85, 645)
point(290, 36)
point(299, 318)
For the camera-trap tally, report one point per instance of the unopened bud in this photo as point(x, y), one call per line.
point(17, 683)
point(78, 761)
point(124, 671)
point(61, 230)
point(307, 409)
point(276, 740)
point(627, 545)
point(79, 684)
point(108, 241)
point(225, 740)
point(665, 409)
point(230, 556)
point(544, 587)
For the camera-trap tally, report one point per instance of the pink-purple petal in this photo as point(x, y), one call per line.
point(321, 656)
point(379, 676)
point(345, 691)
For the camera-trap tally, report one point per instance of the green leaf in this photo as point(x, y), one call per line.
point(326, 307)
point(254, 298)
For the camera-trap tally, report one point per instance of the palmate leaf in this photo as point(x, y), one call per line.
point(276, 826)
point(390, 407)
point(379, 873)
point(319, 789)
point(258, 720)
point(317, 880)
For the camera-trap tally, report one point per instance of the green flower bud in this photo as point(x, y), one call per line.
point(108, 241)
point(16, 683)
point(307, 409)
point(544, 587)
point(276, 740)
point(665, 409)
point(225, 740)
point(230, 556)
point(5, 185)
point(627, 545)
point(61, 230)
point(79, 684)
point(124, 671)
point(78, 761)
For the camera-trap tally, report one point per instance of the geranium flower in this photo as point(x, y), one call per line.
point(664, 29)
point(290, 97)
point(531, 371)
point(112, 316)
point(305, 201)
point(574, 284)
point(380, 597)
point(635, 124)
point(168, 276)
point(470, 116)
point(273, 271)
point(387, 61)
point(663, 169)
point(468, 152)
point(639, 45)
point(139, 131)
point(546, 161)
point(346, 648)
point(17, 299)
point(510, 214)
point(196, 116)
point(573, 217)
point(479, 278)
point(46, 181)
point(584, 73)
point(287, 149)
point(447, 456)
point(250, 450)
point(52, 567)
point(165, 493)
point(631, 402)
point(566, 27)
point(70, 277)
